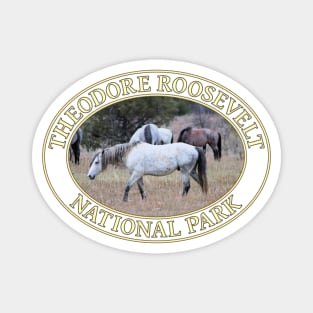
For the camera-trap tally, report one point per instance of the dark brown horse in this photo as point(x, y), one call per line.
point(200, 137)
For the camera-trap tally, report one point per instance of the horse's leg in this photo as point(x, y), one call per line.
point(204, 148)
point(195, 175)
point(215, 154)
point(75, 154)
point(78, 155)
point(141, 188)
point(215, 151)
point(186, 182)
point(133, 178)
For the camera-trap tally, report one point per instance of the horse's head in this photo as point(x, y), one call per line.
point(95, 165)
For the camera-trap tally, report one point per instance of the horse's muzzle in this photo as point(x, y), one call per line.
point(91, 177)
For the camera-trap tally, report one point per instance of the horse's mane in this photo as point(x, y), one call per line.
point(117, 153)
point(187, 129)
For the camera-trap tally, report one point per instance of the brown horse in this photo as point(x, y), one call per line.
point(200, 137)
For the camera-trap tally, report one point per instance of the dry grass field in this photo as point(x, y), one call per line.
point(163, 193)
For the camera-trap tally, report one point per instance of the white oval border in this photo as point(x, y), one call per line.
point(157, 247)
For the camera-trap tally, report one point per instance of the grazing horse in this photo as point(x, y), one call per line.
point(156, 160)
point(75, 145)
point(148, 133)
point(200, 137)
point(166, 136)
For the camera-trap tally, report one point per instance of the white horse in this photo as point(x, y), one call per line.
point(166, 135)
point(146, 159)
point(148, 133)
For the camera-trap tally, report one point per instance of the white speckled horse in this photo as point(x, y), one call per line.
point(166, 136)
point(156, 160)
point(148, 133)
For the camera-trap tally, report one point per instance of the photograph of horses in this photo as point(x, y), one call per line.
point(156, 156)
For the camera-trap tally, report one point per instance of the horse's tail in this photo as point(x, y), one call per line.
point(219, 146)
point(202, 170)
point(180, 137)
point(148, 135)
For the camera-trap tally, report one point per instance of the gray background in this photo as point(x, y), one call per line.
point(47, 46)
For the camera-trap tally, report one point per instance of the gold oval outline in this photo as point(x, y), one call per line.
point(172, 240)
point(158, 217)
